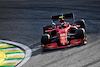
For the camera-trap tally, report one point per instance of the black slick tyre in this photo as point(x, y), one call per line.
point(46, 28)
point(79, 33)
point(81, 23)
point(45, 39)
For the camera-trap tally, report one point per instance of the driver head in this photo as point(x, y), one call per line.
point(61, 20)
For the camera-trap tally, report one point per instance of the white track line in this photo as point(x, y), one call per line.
point(9, 49)
point(16, 54)
point(28, 51)
point(12, 61)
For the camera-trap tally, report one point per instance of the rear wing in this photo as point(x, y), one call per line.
point(64, 16)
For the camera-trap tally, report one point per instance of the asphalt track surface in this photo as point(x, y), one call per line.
point(22, 21)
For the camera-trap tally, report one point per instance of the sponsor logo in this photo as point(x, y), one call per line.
point(62, 34)
point(62, 37)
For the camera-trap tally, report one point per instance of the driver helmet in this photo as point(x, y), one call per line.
point(61, 19)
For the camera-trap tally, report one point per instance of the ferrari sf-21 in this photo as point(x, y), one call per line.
point(63, 34)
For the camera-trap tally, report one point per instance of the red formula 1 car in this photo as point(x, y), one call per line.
point(63, 35)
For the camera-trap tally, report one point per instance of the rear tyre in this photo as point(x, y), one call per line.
point(79, 33)
point(46, 28)
point(81, 23)
point(45, 39)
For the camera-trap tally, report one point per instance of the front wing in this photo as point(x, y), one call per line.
point(73, 42)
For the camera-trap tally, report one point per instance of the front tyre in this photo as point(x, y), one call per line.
point(79, 33)
point(45, 39)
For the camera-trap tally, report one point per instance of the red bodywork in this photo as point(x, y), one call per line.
point(63, 34)
point(54, 45)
